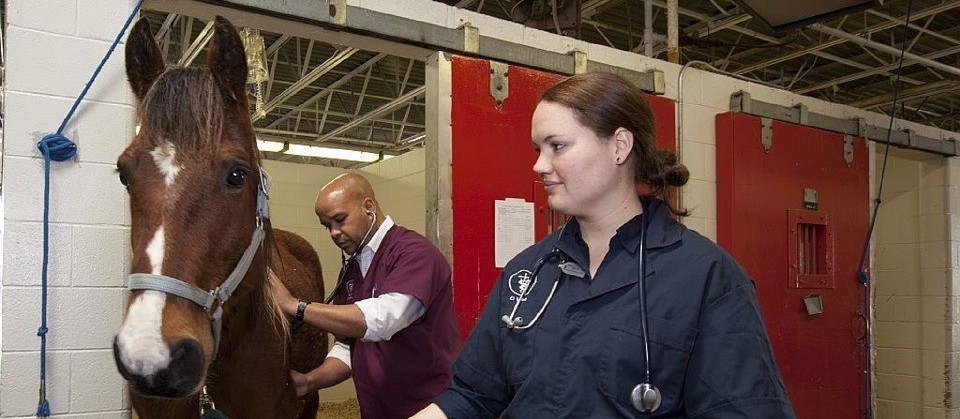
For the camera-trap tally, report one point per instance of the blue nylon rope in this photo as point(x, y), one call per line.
point(57, 147)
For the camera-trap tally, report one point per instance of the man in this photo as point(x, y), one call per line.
point(392, 316)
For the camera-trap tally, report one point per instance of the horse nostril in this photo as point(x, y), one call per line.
point(186, 364)
point(180, 378)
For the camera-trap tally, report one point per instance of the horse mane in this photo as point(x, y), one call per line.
point(272, 310)
point(186, 108)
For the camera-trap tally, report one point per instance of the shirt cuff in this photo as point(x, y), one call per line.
point(388, 314)
point(340, 351)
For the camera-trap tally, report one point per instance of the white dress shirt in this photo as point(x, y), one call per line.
point(385, 314)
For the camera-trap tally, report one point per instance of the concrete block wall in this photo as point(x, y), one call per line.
point(915, 333)
point(52, 49)
point(399, 185)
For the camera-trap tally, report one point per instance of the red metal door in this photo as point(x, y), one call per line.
point(492, 159)
point(797, 253)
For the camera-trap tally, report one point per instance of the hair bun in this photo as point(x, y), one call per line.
point(675, 174)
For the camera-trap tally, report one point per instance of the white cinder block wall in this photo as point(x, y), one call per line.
point(52, 49)
point(398, 184)
point(916, 295)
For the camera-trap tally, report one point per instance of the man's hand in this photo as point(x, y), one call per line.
point(301, 383)
point(286, 300)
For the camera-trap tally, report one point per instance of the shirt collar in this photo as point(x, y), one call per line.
point(662, 231)
point(377, 238)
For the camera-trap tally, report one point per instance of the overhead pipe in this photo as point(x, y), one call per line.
point(673, 31)
point(885, 48)
point(648, 28)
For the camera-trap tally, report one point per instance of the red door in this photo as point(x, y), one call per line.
point(795, 213)
point(492, 159)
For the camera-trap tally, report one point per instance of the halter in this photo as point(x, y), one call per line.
point(213, 300)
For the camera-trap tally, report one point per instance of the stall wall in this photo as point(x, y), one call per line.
point(52, 49)
point(916, 331)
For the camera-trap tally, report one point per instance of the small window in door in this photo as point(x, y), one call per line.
point(811, 249)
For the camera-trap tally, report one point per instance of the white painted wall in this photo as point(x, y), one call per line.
point(52, 49)
point(916, 332)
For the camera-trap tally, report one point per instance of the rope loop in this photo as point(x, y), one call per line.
point(56, 147)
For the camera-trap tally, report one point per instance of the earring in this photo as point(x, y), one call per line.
point(618, 160)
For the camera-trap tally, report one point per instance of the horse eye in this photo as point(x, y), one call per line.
point(124, 180)
point(237, 177)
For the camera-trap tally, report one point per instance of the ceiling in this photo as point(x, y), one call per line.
point(314, 92)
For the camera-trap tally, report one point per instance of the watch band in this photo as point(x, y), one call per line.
point(301, 307)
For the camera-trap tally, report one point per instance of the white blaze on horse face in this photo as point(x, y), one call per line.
point(165, 156)
point(141, 346)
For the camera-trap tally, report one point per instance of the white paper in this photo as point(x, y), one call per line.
point(513, 225)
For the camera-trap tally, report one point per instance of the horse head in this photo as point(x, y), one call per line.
point(193, 176)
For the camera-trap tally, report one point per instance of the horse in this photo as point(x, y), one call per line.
point(201, 326)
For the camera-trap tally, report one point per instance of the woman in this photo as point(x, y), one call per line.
point(575, 345)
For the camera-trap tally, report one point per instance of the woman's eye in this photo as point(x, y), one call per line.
point(557, 146)
point(237, 177)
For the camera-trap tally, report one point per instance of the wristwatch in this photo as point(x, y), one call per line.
point(301, 307)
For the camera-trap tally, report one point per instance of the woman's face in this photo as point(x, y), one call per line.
point(577, 168)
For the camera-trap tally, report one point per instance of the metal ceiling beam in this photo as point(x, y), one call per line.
point(167, 23)
point(885, 48)
point(345, 115)
point(592, 7)
point(396, 103)
point(923, 30)
point(309, 78)
point(343, 80)
point(878, 70)
point(765, 38)
point(837, 41)
point(929, 89)
point(194, 49)
point(277, 44)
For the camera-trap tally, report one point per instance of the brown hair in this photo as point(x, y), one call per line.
point(604, 102)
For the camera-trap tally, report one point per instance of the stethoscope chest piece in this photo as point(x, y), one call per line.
point(646, 398)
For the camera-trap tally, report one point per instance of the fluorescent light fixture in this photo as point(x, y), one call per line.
point(274, 146)
point(333, 153)
point(322, 152)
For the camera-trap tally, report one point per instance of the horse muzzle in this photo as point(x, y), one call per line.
point(181, 376)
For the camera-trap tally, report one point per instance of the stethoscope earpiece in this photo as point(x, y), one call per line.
point(646, 398)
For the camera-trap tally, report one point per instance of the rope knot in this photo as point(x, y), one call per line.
point(57, 147)
point(43, 409)
point(42, 331)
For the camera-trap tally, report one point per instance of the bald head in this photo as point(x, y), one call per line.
point(350, 185)
point(348, 208)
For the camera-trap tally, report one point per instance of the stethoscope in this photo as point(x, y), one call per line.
point(345, 261)
point(645, 396)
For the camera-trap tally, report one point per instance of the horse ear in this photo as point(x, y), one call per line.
point(227, 59)
point(143, 59)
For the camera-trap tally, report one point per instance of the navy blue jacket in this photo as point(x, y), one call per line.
point(709, 352)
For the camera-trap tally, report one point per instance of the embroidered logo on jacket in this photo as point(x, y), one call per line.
point(519, 282)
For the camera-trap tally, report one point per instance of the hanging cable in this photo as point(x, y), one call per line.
point(862, 269)
point(57, 147)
